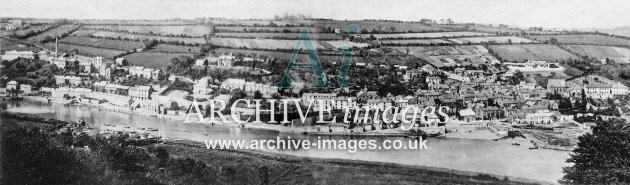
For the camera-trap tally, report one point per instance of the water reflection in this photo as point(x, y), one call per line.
point(461, 154)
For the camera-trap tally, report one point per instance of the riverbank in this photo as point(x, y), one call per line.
point(179, 163)
point(489, 156)
point(342, 171)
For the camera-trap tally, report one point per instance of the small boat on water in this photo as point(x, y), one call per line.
point(151, 129)
point(533, 147)
point(516, 144)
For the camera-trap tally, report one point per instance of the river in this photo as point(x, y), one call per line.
point(484, 156)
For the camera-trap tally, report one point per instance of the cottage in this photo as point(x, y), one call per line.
point(467, 115)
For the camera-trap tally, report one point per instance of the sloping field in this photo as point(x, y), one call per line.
point(314, 36)
point(499, 39)
point(166, 48)
point(258, 43)
point(103, 43)
point(10, 44)
point(266, 29)
point(425, 51)
point(278, 44)
point(135, 22)
point(188, 30)
point(524, 52)
point(428, 35)
point(52, 33)
point(338, 43)
point(154, 60)
point(620, 55)
point(287, 55)
point(494, 30)
point(23, 32)
point(86, 50)
point(110, 34)
point(584, 39)
point(415, 42)
point(369, 25)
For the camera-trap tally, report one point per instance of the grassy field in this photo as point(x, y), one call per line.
point(524, 52)
point(166, 48)
point(369, 25)
point(135, 22)
point(23, 32)
point(494, 30)
point(277, 44)
point(189, 30)
point(584, 39)
point(266, 29)
point(86, 50)
point(155, 60)
point(52, 33)
point(441, 50)
point(384, 26)
point(498, 39)
point(427, 35)
point(137, 37)
point(620, 55)
point(415, 41)
point(286, 55)
point(314, 36)
point(8, 45)
point(103, 43)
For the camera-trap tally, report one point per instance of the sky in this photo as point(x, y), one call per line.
point(525, 13)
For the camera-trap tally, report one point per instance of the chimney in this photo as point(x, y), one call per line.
point(56, 46)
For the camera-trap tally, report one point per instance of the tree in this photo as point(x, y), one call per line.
point(602, 157)
point(258, 95)
point(517, 77)
point(174, 106)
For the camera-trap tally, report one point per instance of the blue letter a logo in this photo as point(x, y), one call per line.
point(313, 63)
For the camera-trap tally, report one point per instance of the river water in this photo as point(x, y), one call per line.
point(484, 156)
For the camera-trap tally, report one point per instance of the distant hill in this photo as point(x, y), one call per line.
point(621, 31)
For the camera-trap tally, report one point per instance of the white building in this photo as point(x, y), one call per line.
point(535, 66)
point(12, 55)
point(120, 61)
point(232, 84)
point(316, 97)
point(97, 61)
point(202, 86)
point(12, 85)
point(540, 117)
point(140, 92)
point(59, 62)
point(26, 89)
point(226, 60)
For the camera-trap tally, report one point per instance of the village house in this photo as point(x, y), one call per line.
point(202, 87)
point(557, 86)
point(226, 60)
point(26, 89)
point(596, 87)
point(12, 55)
point(140, 92)
point(315, 97)
point(12, 85)
point(15, 24)
point(540, 117)
point(467, 115)
point(121, 62)
point(535, 66)
point(232, 84)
